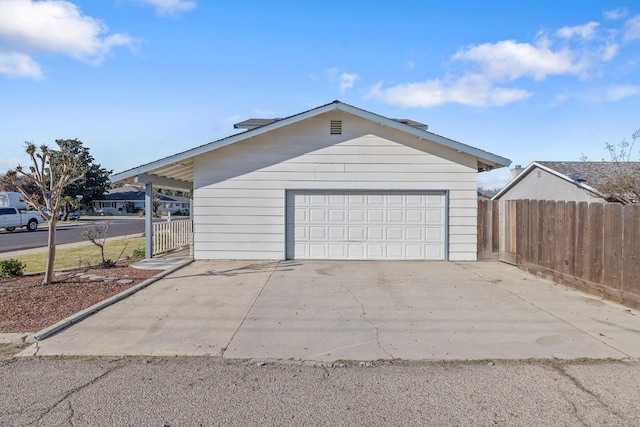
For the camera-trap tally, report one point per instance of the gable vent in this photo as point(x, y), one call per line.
point(336, 127)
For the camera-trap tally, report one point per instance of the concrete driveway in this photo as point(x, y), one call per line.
point(330, 310)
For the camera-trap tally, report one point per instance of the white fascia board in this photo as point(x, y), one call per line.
point(534, 165)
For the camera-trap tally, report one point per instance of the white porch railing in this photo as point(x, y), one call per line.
point(170, 235)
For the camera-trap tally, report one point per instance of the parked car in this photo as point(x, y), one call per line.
point(73, 215)
point(12, 218)
point(108, 211)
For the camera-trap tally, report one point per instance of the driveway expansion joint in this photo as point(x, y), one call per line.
point(223, 350)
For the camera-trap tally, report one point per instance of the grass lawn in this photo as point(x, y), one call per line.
point(80, 256)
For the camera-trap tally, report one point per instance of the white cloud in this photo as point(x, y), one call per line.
point(632, 29)
point(609, 51)
point(30, 27)
point(19, 65)
point(170, 7)
point(492, 65)
point(586, 31)
point(411, 65)
point(471, 90)
point(344, 79)
point(347, 80)
point(615, 14)
point(509, 60)
point(618, 92)
point(488, 74)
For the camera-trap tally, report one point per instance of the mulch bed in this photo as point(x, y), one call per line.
point(27, 306)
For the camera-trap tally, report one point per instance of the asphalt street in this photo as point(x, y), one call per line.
point(212, 391)
point(68, 232)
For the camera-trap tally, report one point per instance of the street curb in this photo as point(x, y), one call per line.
point(83, 314)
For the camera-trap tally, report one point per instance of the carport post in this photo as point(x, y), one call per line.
point(148, 220)
point(191, 239)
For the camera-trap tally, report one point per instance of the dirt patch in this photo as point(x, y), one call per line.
point(27, 306)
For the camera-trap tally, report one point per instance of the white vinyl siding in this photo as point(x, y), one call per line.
point(240, 190)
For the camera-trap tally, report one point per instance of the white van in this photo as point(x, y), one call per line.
point(12, 198)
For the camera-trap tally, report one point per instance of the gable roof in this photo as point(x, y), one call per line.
point(590, 176)
point(176, 171)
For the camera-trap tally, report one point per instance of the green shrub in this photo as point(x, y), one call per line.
point(11, 267)
point(139, 253)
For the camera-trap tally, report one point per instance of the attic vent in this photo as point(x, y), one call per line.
point(336, 127)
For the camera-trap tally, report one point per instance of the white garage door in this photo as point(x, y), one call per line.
point(366, 225)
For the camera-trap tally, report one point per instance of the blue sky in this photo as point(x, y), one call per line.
point(137, 80)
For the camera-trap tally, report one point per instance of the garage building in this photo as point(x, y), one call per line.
point(334, 182)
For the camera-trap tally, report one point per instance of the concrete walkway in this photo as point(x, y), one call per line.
point(330, 310)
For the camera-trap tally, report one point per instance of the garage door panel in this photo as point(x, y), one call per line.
point(318, 250)
point(434, 252)
point(336, 215)
point(318, 233)
point(395, 215)
point(375, 251)
point(368, 225)
point(356, 233)
point(434, 216)
point(301, 232)
point(337, 199)
point(337, 251)
point(414, 216)
point(395, 251)
point(375, 215)
point(434, 234)
point(356, 199)
point(356, 215)
point(414, 251)
point(395, 233)
point(356, 250)
point(337, 234)
point(375, 233)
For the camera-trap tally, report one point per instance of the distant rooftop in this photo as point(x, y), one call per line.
point(594, 174)
point(256, 123)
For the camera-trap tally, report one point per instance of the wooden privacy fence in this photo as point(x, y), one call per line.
point(592, 246)
point(171, 235)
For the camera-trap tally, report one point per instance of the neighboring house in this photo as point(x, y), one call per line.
point(115, 201)
point(566, 181)
point(333, 182)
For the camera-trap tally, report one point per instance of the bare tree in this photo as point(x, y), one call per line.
point(97, 234)
point(623, 184)
point(50, 172)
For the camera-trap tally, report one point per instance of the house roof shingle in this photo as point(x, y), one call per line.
point(594, 174)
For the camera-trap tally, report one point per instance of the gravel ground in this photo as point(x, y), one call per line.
point(210, 391)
